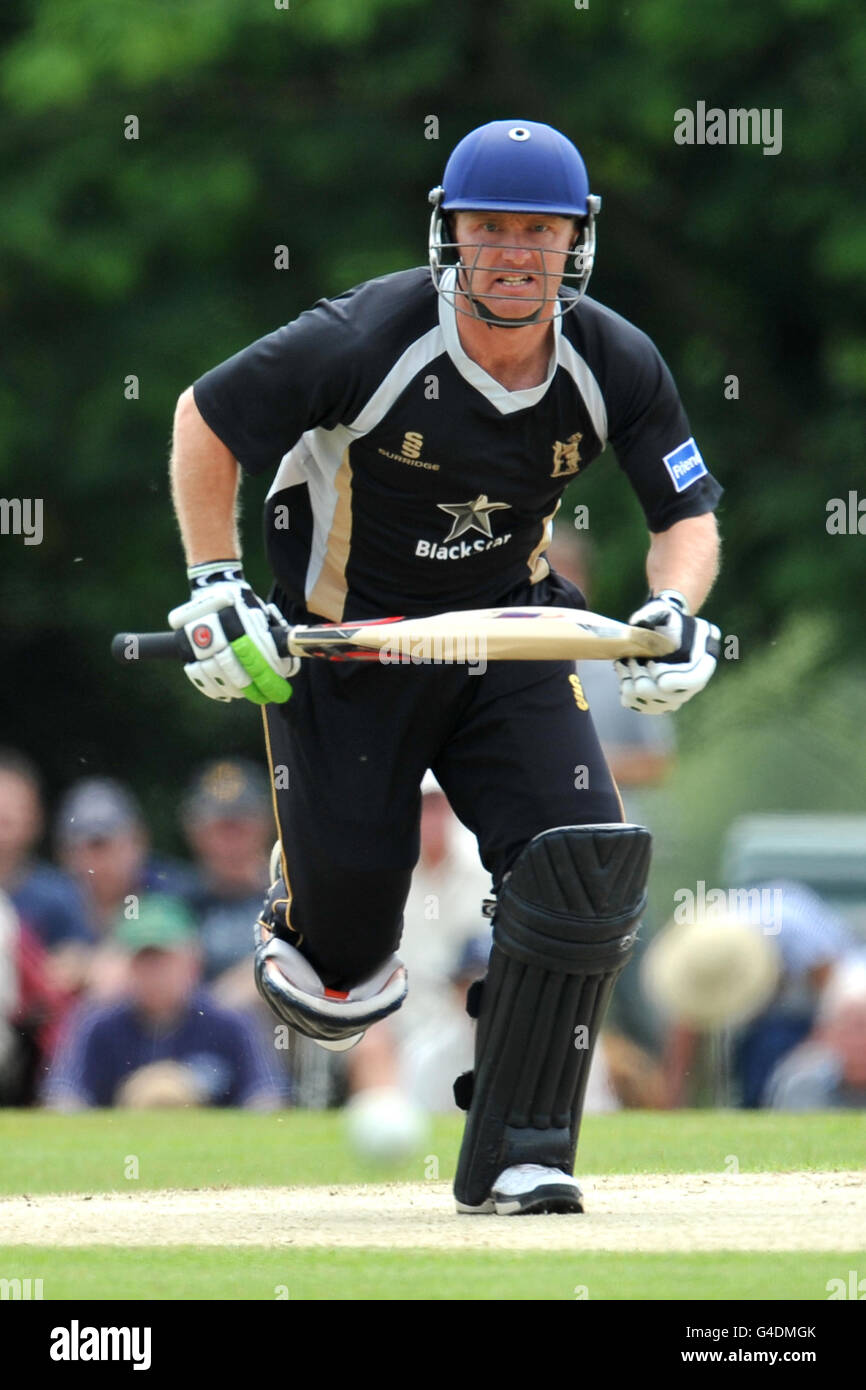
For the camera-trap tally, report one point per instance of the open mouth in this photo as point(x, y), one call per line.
point(512, 286)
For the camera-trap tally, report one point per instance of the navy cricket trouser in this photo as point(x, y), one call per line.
point(513, 749)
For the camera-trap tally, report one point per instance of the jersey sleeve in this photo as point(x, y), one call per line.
point(263, 399)
point(649, 431)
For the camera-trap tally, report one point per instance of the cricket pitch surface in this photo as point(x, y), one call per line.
point(645, 1212)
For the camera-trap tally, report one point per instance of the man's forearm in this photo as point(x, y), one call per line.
point(204, 487)
point(686, 558)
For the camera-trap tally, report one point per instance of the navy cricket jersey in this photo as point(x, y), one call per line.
point(406, 479)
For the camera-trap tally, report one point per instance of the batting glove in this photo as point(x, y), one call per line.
point(241, 662)
point(658, 687)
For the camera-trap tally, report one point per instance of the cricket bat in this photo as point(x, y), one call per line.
point(470, 636)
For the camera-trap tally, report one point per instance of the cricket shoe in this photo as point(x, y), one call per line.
point(529, 1189)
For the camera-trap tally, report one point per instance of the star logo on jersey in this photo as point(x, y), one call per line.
point(566, 456)
point(471, 516)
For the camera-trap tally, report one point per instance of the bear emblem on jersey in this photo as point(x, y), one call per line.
point(566, 456)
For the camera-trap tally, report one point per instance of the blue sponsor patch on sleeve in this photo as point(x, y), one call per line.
point(685, 465)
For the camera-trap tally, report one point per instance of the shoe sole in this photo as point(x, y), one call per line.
point(553, 1200)
point(486, 1209)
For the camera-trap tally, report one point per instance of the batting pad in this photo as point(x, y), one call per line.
point(565, 925)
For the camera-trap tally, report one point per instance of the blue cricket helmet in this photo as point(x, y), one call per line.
point(512, 166)
point(515, 166)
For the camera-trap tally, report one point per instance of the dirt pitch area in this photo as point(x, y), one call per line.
point(682, 1212)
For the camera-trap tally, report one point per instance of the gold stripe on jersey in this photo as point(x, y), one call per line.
point(618, 797)
point(537, 564)
point(328, 596)
point(275, 804)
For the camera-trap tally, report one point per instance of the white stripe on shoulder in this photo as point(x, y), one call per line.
point(579, 370)
point(292, 468)
point(416, 356)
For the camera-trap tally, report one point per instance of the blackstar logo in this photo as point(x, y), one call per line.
point(467, 516)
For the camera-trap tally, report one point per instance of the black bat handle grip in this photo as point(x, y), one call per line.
point(128, 647)
point(150, 646)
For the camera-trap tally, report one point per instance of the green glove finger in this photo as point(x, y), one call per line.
point(267, 686)
point(253, 694)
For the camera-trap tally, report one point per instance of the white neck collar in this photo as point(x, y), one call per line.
point(505, 401)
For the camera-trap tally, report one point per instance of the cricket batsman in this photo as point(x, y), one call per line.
point(419, 430)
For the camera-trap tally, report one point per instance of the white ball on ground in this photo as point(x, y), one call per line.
point(384, 1126)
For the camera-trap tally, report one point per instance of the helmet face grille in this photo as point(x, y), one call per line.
point(453, 272)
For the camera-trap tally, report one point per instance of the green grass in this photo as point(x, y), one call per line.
point(195, 1149)
point(253, 1273)
point(208, 1148)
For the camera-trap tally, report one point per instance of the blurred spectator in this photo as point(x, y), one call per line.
point(828, 1069)
point(168, 1043)
point(103, 843)
point(444, 908)
point(49, 901)
point(228, 821)
point(442, 1048)
point(621, 1073)
point(811, 939)
point(8, 995)
point(807, 938)
point(32, 1009)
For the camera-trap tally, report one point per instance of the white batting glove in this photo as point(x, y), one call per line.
point(658, 687)
point(227, 627)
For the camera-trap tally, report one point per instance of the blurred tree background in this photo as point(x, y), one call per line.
point(306, 126)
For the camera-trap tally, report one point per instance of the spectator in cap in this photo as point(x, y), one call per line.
point(168, 1042)
point(103, 843)
point(228, 820)
point(47, 900)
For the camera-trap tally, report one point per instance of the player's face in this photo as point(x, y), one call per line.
point(513, 261)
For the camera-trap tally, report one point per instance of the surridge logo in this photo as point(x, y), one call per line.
point(410, 452)
point(566, 456)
